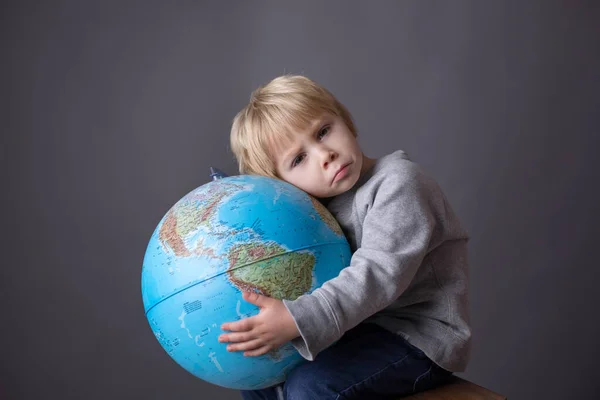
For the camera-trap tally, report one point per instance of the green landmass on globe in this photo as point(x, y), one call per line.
point(270, 270)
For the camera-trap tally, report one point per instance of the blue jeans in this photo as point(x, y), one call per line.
point(368, 362)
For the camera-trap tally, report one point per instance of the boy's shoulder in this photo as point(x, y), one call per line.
point(394, 168)
point(399, 159)
point(396, 178)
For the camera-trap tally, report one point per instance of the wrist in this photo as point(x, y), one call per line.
point(291, 328)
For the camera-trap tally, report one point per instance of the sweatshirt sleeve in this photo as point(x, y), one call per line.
point(396, 235)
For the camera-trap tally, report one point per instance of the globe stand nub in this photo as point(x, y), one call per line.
point(216, 174)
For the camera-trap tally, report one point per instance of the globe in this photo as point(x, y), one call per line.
point(240, 233)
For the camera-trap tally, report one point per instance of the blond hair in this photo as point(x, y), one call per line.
point(286, 104)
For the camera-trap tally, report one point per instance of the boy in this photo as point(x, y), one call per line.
point(395, 321)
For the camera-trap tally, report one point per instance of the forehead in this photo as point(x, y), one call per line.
point(285, 140)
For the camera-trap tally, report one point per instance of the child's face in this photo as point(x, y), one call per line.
point(325, 160)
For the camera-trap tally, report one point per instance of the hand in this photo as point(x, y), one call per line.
point(268, 330)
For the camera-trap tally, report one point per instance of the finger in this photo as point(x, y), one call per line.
point(255, 298)
point(236, 337)
point(245, 324)
point(258, 352)
point(246, 346)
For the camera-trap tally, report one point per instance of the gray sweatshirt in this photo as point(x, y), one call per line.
point(408, 272)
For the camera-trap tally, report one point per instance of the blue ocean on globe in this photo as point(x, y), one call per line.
point(232, 234)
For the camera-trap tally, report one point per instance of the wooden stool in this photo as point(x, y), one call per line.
point(459, 389)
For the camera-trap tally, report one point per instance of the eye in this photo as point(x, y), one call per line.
point(324, 131)
point(298, 159)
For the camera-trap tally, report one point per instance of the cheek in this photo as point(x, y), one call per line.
point(309, 183)
point(300, 179)
point(348, 141)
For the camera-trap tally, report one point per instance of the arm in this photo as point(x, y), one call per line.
point(397, 234)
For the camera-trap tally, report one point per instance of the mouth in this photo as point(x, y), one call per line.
point(341, 173)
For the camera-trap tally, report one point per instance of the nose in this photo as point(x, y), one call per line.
point(327, 156)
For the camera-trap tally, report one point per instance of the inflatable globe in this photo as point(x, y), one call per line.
point(238, 233)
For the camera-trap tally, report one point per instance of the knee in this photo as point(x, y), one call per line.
point(308, 381)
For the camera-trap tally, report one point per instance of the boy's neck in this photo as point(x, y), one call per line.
point(367, 164)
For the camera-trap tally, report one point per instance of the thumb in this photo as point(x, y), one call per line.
point(255, 298)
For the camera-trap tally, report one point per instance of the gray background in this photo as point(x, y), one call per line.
point(113, 111)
